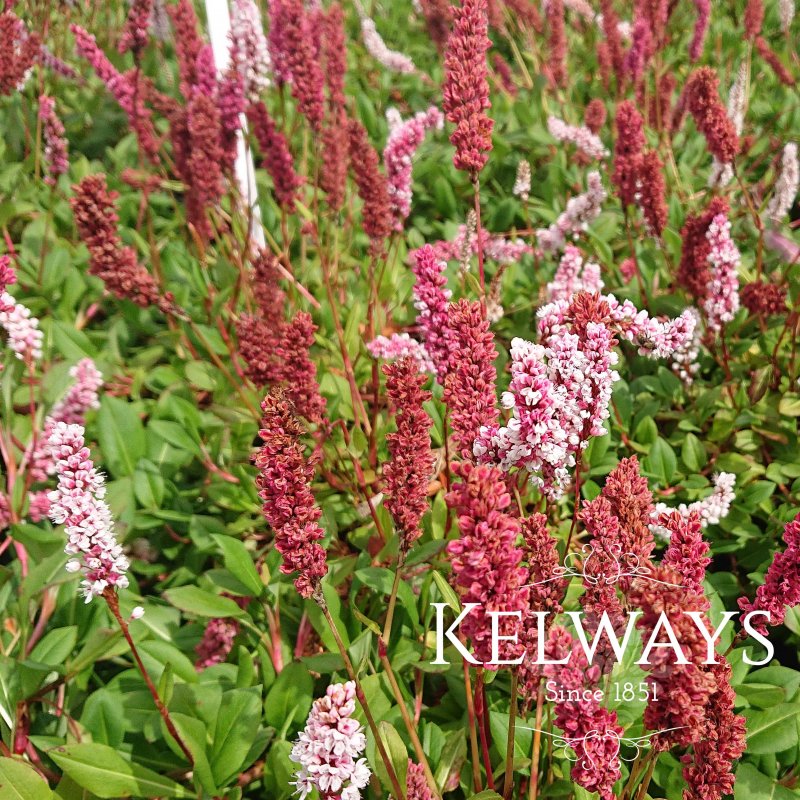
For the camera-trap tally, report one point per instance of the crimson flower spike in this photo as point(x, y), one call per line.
point(466, 88)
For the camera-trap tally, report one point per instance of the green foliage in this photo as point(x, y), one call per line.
point(178, 423)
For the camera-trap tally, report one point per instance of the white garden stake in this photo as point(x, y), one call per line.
point(219, 26)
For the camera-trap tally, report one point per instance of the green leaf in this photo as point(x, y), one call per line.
point(236, 728)
point(498, 723)
point(193, 732)
point(246, 670)
point(396, 750)
point(101, 717)
point(752, 784)
point(693, 453)
point(166, 684)
point(453, 753)
point(239, 562)
point(756, 493)
point(772, 730)
point(201, 375)
point(104, 772)
point(444, 197)
point(789, 405)
point(784, 677)
point(72, 343)
point(175, 435)
point(621, 398)
point(502, 214)
point(446, 590)
point(646, 431)
point(488, 794)
point(55, 646)
point(278, 771)
point(148, 485)
point(761, 695)
point(193, 600)
point(365, 620)
point(121, 435)
point(381, 580)
point(100, 643)
point(158, 654)
point(290, 694)
point(661, 462)
point(424, 553)
point(18, 781)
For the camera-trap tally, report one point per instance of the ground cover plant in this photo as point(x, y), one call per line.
point(449, 453)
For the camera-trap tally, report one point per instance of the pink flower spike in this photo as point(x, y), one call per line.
point(400, 345)
point(431, 298)
point(591, 730)
point(298, 372)
point(78, 504)
point(628, 148)
point(7, 277)
point(722, 301)
point(404, 139)
point(38, 506)
point(580, 211)
point(709, 773)
point(781, 589)
point(684, 359)
point(687, 551)
point(556, 42)
point(586, 141)
point(137, 28)
point(679, 715)
point(125, 90)
point(641, 45)
point(55, 143)
point(377, 48)
point(522, 181)
point(296, 36)
point(276, 156)
point(710, 510)
point(249, 49)
point(5, 512)
point(416, 785)
point(710, 116)
point(72, 408)
point(22, 329)
point(487, 565)
point(330, 746)
point(469, 388)
point(82, 395)
point(277, 41)
point(284, 485)
point(217, 642)
point(410, 466)
point(703, 11)
point(466, 87)
point(560, 389)
point(786, 186)
point(574, 275)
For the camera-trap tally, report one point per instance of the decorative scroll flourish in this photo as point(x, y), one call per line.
point(580, 752)
point(626, 565)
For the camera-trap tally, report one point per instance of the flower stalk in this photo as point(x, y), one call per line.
point(112, 601)
point(387, 762)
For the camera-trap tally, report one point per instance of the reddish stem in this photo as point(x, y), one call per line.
point(112, 600)
point(483, 726)
point(479, 235)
